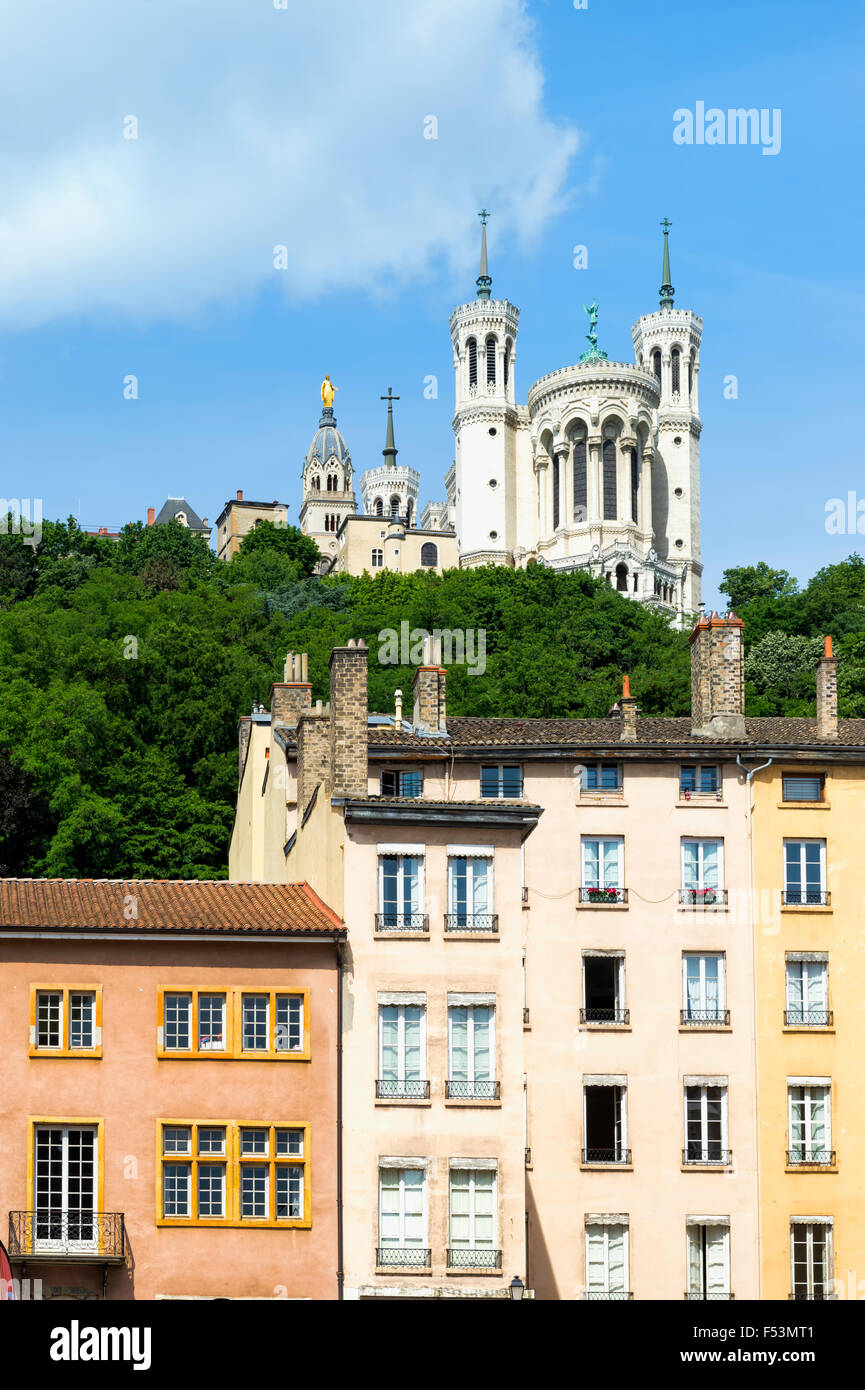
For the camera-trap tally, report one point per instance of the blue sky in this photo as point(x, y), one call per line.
point(304, 128)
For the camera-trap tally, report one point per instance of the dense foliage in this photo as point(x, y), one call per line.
point(125, 666)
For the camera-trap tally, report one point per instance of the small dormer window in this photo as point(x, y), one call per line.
point(181, 518)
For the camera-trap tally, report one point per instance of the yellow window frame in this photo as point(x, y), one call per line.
point(65, 1050)
point(233, 1050)
point(233, 1160)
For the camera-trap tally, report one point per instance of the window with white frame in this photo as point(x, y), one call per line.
point(473, 1218)
point(65, 1020)
point(470, 891)
point(607, 1274)
point(805, 872)
point(603, 870)
point(810, 1122)
point(708, 1259)
point(601, 777)
point(702, 872)
point(604, 987)
point(502, 780)
point(706, 1134)
point(811, 1261)
point(704, 988)
point(399, 782)
point(402, 1048)
point(605, 1120)
point(807, 991)
point(402, 1216)
point(471, 1049)
point(377, 558)
point(699, 779)
point(401, 891)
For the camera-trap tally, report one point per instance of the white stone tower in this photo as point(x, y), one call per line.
point(667, 343)
point(484, 337)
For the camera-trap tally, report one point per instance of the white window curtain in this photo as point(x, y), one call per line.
point(702, 864)
point(469, 886)
point(606, 1260)
point(706, 1124)
point(400, 887)
point(810, 1127)
point(704, 986)
point(473, 1209)
point(807, 990)
point(602, 863)
point(402, 1208)
point(471, 1051)
point(708, 1261)
point(402, 1062)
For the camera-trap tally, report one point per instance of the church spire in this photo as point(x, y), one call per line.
point(667, 290)
point(484, 280)
point(390, 450)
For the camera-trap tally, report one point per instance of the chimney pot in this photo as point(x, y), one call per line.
point(240, 494)
point(151, 515)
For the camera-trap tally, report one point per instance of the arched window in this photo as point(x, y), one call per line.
point(581, 494)
point(676, 359)
point(378, 507)
point(656, 363)
point(332, 482)
point(408, 513)
point(622, 578)
point(473, 361)
point(691, 375)
point(555, 493)
point(509, 347)
point(635, 582)
point(610, 497)
point(491, 361)
point(377, 559)
point(429, 554)
point(316, 483)
point(394, 506)
point(635, 486)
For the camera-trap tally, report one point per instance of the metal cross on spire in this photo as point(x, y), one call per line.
point(484, 280)
point(390, 449)
point(667, 290)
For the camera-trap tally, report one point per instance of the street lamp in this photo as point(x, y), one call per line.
point(516, 1288)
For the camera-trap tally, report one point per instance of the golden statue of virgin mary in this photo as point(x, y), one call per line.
point(328, 390)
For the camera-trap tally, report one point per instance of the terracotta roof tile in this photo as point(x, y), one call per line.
point(211, 907)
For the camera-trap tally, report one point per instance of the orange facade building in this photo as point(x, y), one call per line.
point(168, 1110)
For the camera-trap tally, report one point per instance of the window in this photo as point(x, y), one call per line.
point(402, 1052)
point(604, 989)
point(805, 873)
point(607, 1260)
point(699, 779)
point(704, 989)
point(66, 1188)
point(470, 893)
point(605, 1121)
point(810, 1121)
point(603, 870)
point(708, 1260)
point(807, 993)
point(503, 781)
point(581, 496)
point(402, 1217)
point(473, 361)
point(379, 507)
point(610, 491)
point(265, 1024)
point(473, 1219)
point(394, 506)
point(472, 1052)
point(795, 788)
point(377, 557)
point(601, 777)
point(491, 361)
point(65, 1022)
point(400, 885)
point(656, 364)
point(702, 872)
point(811, 1259)
point(398, 783)
point(429, 555)
point(675, 363)
point(635, 486)
point(509, 347)
point(556, 493)
point(229, 1174)
point(706, 1124)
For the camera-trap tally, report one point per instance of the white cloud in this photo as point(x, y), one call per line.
point(259, 127)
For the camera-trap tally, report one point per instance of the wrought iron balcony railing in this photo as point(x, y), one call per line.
point(401, 1090)
point(605, 1015)
point(706, 1156)
point(702, 897)
point(620, 1294)
point(472, 1090)
point(401, 922)
point(814, 1157)
point(67, 1235)
point(704, 1018)
point(808, 1018)
point(603, 897)
point(402, 1257)
point(474, 1259)
point(815, 1296)
point(472, 921)
point(805, 897)
point(613, 1155)
point(701, 1297)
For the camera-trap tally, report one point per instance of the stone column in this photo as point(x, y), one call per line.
point(595, 488)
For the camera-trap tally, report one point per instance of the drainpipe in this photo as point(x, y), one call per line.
point(749, 810)
point(340, 1271)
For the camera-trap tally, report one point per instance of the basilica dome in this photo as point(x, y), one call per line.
point(327, 442)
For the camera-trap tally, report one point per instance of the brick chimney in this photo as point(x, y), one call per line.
point(313, 753)
point(349, 681)
point(718, 677)
point(240, 494)
point(628, 706)
point(827, 693)
point(293, 694)
point(429, 688)
point(151, 515)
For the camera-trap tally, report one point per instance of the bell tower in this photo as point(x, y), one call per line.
point(484, 339)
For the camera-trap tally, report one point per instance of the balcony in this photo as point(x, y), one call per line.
point(68, 1236)
point(401, 1090)
point(814, 1157)
point(484, 923)
point(474, 1259)
point(808, 1018)
point(400, 922)
point(604, 897)
point(805, 897)
point(472, 1090)
point(705, 1018)
point(616, 1157)
point(402, 1257)
point(605, 1016)
point(703, 897)
point(621, 1294)
point(706, 1156)
point(708, 1297)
